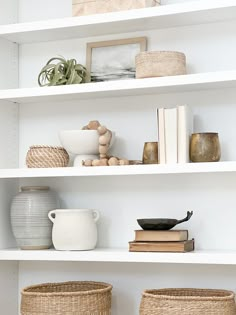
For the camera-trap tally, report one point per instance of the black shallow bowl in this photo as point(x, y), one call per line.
point(162, 223)
point(157, 224)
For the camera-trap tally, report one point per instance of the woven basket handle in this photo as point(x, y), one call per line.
point(52, 215)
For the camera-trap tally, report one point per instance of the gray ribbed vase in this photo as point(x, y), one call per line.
point(29, 217)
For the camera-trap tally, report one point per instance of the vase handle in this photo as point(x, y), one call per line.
point(96, 215)
point(52, 215)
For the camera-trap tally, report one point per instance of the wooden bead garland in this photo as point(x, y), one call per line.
point(105, 136)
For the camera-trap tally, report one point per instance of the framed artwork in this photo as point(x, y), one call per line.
point(115, 59)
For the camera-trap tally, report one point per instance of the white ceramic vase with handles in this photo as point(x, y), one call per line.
point(74, 229)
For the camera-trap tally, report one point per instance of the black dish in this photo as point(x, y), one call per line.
point(162, 223)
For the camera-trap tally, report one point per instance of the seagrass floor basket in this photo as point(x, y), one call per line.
point(67, 298)
point(187, 302)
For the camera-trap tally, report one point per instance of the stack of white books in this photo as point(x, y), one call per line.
point(175, 126)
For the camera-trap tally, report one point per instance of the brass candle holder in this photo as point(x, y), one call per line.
point(150, 153)
point(205, 147)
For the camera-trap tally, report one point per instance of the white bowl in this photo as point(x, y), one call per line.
point(81, 142)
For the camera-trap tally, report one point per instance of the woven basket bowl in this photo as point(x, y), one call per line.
point(187, 302)
point(159, 64)
point(46, 156)
point(67, 298)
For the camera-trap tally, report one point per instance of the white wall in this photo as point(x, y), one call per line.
point(8, 11)
point(9, 287)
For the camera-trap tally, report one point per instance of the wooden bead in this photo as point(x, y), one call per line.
point(123, 162)
point(106, 138)
point(103, 162)
point(93, 124)
point(103, 156)
point(103, 149)
point(113, 161)
point(102, 130)
point(87, 163)
point(96, 162)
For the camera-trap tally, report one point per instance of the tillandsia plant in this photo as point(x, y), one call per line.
point(59, 71)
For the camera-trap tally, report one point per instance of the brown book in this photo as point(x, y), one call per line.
point(181, 247)
point(161, 236)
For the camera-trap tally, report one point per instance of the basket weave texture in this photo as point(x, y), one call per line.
point(41, 156)
point(187, 301)
point(86, 7)
point(159, 64)
point(67, 298)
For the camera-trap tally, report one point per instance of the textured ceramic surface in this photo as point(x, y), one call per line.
point(205, 147)
point(81, 142)
point(150, 153)
point(74, 229)
point(29, 217)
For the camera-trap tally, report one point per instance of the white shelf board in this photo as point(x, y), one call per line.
point(189, 168)
point(165, 16)
point(162, 85)
point(212, 257)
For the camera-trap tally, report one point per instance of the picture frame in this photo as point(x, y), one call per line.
point(113, 59)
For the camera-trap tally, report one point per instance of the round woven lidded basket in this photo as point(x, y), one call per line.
point(67, 298)
point(46, 156)
point(159, 64)
point(187, 301)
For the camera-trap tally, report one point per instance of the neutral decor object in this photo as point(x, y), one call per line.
point(119, 61)
point(85, 7)
point(74, 229)
point(104, 143)
point(159, 64)
point(169, 247)
point(29, 217)
point(162, 223)
point(205, 147)
point(59, 71)
point(46, 156)
point(150, 153)
point(84, 144)
point(105, 137)
point(67, 298)
point(187, 301)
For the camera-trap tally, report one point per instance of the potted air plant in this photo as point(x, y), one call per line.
point(59, 71)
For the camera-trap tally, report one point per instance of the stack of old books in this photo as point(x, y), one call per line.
point(161, 241)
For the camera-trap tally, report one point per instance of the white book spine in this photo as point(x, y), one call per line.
point(185, 129)
point(161, 135)
point(171, 135)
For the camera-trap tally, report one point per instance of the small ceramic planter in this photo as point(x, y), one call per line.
point(74, 229)
point(29, 217)
point(205, 147)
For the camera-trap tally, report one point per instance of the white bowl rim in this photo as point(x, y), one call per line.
point(78, 130)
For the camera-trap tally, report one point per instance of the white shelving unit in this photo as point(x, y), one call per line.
point(189, 13)
point(203, 29)
point(122, 256)
point(190, 168)
point(175, 84)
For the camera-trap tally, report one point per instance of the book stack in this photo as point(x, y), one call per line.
point(161, 241)
point(175, 126)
